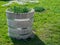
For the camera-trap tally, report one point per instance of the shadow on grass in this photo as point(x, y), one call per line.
point(33, 41)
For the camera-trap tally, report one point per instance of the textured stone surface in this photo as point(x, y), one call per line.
point(19, 36)
point(11, 15)
point(20, 30)
point(20, 25)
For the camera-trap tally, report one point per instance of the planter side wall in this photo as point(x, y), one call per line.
point(21, 28)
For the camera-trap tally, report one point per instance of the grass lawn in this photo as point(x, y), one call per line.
point(46, 25)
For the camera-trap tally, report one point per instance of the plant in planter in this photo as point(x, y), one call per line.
point(19, 9)
point(20, 12)
point(20, 22)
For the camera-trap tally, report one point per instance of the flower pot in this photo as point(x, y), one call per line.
point(20, 25)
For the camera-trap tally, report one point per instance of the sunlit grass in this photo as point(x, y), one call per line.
point(46, 24)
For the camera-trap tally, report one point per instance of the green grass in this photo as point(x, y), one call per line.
point(46, 25)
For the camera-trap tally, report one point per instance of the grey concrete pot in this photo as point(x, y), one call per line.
point(20, 25)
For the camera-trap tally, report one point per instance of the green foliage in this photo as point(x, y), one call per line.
point(39, 9)
point(19, 9)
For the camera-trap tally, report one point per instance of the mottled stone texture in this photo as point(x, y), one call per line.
point(11, 15)
point(20, 25)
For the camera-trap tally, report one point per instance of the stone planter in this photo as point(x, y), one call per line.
point(20, 25)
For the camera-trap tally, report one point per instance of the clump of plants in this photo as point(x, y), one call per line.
point(19, 9)
point(38, 9)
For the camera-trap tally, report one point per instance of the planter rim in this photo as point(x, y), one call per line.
point(32, 10)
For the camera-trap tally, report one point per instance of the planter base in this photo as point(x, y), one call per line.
point(31, 35)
